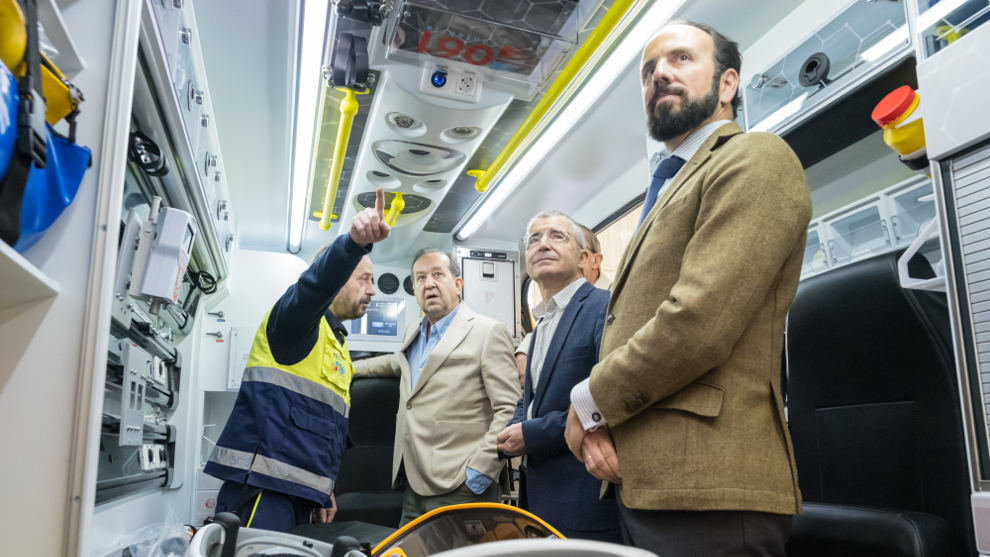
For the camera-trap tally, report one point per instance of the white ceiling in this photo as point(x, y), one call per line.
point(247, 49)
point(593, 154)
point(608, 149)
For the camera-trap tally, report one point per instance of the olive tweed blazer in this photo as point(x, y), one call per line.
point(689, 371)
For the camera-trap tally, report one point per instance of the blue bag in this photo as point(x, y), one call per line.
point(36, 184)
point(8, 117)
point(51, 189)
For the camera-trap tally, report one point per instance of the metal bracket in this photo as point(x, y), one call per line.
point(132, 395)
point(349, 62)
point(372, 12)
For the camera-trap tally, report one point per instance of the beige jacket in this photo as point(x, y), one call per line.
point(464, 396)
point(689, 370)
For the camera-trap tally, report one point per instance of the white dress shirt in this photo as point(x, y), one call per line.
point(548, 313)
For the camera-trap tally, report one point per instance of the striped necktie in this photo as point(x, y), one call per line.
point(666, 170)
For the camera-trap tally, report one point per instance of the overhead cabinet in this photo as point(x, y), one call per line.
point(826, 65)
point(883, 222)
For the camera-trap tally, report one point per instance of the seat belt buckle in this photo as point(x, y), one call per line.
point(31, 131)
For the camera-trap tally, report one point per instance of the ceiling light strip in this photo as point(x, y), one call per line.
point(308, 87)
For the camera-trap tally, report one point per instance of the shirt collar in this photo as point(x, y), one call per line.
point(558, 301)
point(690, 146)
point(336, 326)
point(440, 327)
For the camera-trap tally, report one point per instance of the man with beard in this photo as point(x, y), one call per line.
point(683, 412)
point(280, 452)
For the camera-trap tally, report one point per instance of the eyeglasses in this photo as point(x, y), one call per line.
point(554, 236)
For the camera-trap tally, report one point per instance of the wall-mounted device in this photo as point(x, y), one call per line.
point(384, 321)
point(490, 284)
point(166, 240)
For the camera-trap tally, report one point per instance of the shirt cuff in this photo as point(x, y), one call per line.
point(591, 417)
point(523, 347)
point(477, 482)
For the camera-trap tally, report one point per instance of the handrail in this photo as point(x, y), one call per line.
point(396, 207)
point(348, 108)
point(584, 53)
point(936, 284)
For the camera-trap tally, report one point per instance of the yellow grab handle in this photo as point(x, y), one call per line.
point(478, 184)
point(582, 56)
point(348, 108)
point(398, 204)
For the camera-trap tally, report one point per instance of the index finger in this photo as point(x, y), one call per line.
point(380, 203)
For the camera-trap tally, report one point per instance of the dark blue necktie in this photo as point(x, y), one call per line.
point(666, 170)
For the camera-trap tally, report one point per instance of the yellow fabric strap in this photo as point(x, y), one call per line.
point(255, 508)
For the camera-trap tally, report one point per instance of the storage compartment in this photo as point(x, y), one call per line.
point(815, 256)
point(910, 207)
point(942, 22)
point(856, 235)
point(842, 51)
point(516, 46)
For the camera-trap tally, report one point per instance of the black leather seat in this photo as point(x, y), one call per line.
point(364, 490)
point(875, 418)
point(830, 530)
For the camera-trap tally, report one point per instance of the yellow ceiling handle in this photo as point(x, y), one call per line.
point(398, 204)
point(348, 108)
point(477, 174)
point(581, 57)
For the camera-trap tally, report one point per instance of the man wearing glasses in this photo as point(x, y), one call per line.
point(591, 269)
point(564, 348)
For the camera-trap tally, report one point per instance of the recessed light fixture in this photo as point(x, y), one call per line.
point(405, 125)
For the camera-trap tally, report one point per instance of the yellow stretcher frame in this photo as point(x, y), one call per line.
point(424, 517)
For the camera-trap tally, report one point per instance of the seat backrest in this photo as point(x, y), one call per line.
point(367, 464)
point(873, 398)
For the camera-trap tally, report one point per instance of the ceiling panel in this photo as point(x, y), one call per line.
point(603, 147)
point(247, 49)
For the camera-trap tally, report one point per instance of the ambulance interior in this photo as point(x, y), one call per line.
point(232, 140)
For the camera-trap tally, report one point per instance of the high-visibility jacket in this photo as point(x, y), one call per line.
point(288, 429)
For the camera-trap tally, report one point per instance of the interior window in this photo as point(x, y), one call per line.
point(615, 236)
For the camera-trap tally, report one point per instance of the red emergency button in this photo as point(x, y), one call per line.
point(892, 106)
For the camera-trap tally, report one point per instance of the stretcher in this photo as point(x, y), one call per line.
point(477, 529)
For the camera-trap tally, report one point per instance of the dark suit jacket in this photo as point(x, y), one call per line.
point(556, 487)
point(689, 374)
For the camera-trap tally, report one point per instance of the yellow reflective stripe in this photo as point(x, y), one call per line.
point(270, 467)
point(300, 385)
point(231, 457)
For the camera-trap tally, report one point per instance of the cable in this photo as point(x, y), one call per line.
point(204, 281)
point(171, 308)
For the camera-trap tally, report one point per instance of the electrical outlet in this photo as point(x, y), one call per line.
point(466, 84)
point(450, 83)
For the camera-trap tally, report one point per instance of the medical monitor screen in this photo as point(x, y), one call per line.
point(382, 320)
